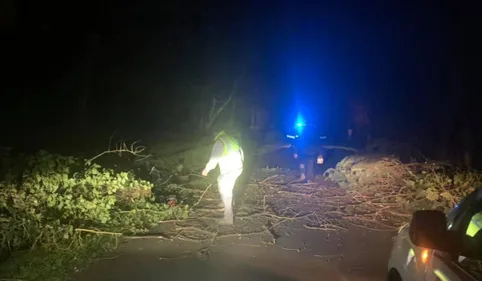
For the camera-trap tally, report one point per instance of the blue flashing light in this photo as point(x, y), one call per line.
point(299, 124)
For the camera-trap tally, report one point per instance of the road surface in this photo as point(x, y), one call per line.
point(297, 253)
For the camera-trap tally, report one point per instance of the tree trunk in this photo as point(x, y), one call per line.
point(7, 14)
point(253, 118)
point(233, 113)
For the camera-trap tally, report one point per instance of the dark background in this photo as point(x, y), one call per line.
point(76, 71)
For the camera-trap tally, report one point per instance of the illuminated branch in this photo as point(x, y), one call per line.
point(122, 147)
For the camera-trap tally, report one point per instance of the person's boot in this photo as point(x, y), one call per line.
point(226, 221)
point(228, 218)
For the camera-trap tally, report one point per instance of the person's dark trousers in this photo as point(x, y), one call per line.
point(307, 166)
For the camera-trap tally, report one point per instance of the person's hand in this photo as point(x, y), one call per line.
point(295, 156)
point(204, 172)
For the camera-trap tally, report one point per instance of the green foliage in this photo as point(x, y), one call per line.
point(53, 203)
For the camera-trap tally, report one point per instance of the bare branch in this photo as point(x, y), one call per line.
point(340, 147)
point(202, 195)
point(213, 115)
point(134, 149)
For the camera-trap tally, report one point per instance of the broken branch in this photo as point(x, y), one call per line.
point(121, 147)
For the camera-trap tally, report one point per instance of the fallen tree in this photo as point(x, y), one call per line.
point(59, 211)
point(407, 186)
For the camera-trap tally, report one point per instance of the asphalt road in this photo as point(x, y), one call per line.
point(298, 254)
point(144, 260)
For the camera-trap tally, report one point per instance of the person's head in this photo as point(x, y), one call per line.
point(218, 134)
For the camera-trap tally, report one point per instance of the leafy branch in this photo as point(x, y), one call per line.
point(59, 207)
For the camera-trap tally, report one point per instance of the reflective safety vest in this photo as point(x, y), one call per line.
point(441, 275)
point(229, 143)
point(475, 225)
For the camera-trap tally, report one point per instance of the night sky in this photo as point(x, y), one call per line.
point(133, 64)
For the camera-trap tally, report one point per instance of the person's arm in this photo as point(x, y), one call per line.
point(216, 154)
point(242, 154)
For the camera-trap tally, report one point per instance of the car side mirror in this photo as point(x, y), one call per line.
point(428, 229)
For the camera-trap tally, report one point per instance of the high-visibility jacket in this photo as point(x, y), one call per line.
point(475, 225)
point(227, 153)
point(230, 144)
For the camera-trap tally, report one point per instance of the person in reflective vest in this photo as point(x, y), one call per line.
point(475, 225)
point(229, 155)
point(473, 231)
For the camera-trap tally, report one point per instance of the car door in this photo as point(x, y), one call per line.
point(445, 267)
point(406, 256)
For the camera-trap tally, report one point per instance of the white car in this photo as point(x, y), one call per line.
point(435, 247)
